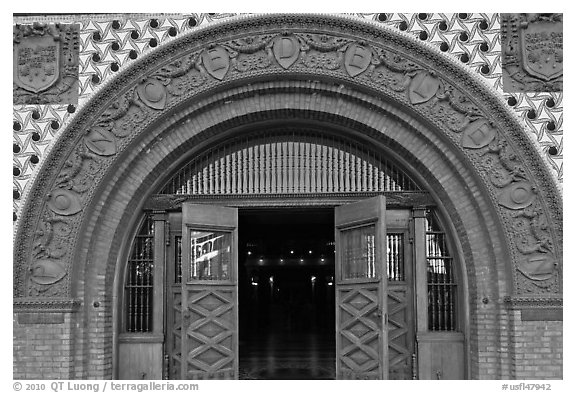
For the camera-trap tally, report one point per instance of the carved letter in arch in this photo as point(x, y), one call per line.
point(64, 202)
point(46, 272)
point(423, 87)
point(538, 267)
point(478, 134)
point(101, 142)
point(357, 59)
point(216, 62)
point(517, 195)
point(153, 93)
point(286, 50)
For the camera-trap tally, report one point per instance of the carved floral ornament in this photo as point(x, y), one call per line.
point(393, 65)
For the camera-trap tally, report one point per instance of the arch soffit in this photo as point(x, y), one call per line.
point(368, 58)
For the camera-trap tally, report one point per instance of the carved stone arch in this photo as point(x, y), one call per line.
point(483, 169)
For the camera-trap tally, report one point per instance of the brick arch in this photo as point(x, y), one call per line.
point(470, 149)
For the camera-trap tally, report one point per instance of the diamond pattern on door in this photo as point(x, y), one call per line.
point(209, 333)
point(359, 333)
point(399, 352)
point(175, 350)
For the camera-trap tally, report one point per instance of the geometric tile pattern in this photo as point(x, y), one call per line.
point(108, 42)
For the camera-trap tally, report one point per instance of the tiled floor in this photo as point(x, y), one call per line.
point(288, 356)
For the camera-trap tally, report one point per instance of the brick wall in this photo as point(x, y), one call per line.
point(42, 346)
point(536, 348)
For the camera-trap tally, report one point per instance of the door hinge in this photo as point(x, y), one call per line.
point(166, 373)
point(167, 232)
point(414, 366)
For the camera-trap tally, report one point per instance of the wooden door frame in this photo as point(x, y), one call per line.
point(412, 201)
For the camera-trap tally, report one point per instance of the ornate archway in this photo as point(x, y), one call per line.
point(484, 170)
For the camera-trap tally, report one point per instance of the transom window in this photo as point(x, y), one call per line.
point(289, 162)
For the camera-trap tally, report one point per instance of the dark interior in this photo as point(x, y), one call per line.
point(286, 294)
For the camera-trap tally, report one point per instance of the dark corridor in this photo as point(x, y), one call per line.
point(286, 294)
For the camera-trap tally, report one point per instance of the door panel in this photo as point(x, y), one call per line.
point(209, 292)
point(400, 305)
point(361, 345)
point(173, 329)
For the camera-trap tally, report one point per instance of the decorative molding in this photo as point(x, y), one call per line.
point(355, 54)
point(519, 303)
point(43, 305)
point(162, 202)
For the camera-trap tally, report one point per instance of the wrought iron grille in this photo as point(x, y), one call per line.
point(139, 280)
point(442, 286)
point(289, 162)
point(395, 257)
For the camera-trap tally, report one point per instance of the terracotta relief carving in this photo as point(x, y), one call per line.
point(428, 91)
point(531, 232)
point(64, 202)
point(216, 61)
point(182, 75)
point(49, 249)
point(101, 142)
point(286, 49)
point(45, 64)
point(478, 134)
point(152, 93)
point(423, 87)
point(357, 58)
point(532, 52)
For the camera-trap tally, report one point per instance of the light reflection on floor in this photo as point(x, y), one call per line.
point(288, 356)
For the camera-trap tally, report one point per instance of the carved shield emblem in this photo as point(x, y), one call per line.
point(64, 202)
point(37, 63)
point(423, 87)
point(538, 268)
point(478, 134)
point(286, 50)
point(357, 59)
point(517, 195)
point(541, 44)
point(153, 93)
point(216, 62)
point(46, 272)
point(101, 142)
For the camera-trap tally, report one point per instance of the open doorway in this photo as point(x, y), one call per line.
point(286, 294)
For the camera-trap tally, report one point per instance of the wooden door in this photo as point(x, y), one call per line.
point(173, 328)
point(209, 297)
point(361, 336)
point(400, 296)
